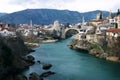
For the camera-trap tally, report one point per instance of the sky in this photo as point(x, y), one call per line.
point(9, 6)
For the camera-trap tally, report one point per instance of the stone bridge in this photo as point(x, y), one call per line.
point(67, 29)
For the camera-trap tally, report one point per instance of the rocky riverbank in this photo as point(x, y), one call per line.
point(13, 57)
point(49, 41)
point(32, 45)
point(107, 50)
point(46, 73)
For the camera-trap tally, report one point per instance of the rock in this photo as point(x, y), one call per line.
point(35, 76)
point(47, 66)
point(31, 50)
point(20, 77)
point(38, 61)
point(40, 78)
point(31, 58)
point(103, 55)
point(46, 74)
point(113, 58)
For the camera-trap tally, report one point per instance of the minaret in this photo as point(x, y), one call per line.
point(31, 24)
point(83, 21)
point(110, 15)
point(98, 16)
point(6, 26)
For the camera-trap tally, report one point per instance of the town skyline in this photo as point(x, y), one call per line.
point(9, 6)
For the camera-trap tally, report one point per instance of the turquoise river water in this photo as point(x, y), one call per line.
point(69, 64)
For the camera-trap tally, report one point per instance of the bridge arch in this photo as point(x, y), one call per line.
point(68, 29)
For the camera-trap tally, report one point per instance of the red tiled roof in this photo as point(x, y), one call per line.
point(25, 27)
point(9, 29)
point(113, 30)
point(2, 25)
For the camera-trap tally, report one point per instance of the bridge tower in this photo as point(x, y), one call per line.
point(56, 28)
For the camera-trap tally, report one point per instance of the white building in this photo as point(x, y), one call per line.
point(6, 32)
point(113, 33)
point(27, 32)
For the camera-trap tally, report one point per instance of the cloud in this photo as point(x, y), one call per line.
point(19, 2)
point(76, 5)
point(116, 6)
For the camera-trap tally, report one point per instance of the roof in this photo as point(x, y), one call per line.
point(9, 29)
point(114, 30)
point(2, 25)
point(100, 20)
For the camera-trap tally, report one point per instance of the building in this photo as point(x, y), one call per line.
point(115, 19)
point(56, 26)
point(99, 20)
point(113, 33)
point(99, 16)
point(7, 31)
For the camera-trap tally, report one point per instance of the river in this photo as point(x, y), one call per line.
point(72, 65)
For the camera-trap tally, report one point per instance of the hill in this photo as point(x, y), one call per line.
point(48, 16)
point(2, 14)
point(92, 14)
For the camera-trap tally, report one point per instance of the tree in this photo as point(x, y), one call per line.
point(101, 16)
point(118, 12)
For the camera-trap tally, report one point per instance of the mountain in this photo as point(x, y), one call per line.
point(48, 16)
point(2, 14)
point(92, 14)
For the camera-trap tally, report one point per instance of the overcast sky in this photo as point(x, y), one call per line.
point(10, 6)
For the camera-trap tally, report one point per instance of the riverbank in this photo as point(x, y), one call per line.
point(13, 57)
point(66, 62)
point(31, 45)
point(49, 40)
point(95, 49)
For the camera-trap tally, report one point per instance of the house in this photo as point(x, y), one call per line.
point(7, 31)
point(115, 20)
point(113, 32)
point(27, 32)
point(102, 30)
point(99, 20)
point(35, 32)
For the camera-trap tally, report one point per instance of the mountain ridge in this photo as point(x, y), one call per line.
point(2, 14)
point(48, 16)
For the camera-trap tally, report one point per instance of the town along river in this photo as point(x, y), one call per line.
point(69, 64)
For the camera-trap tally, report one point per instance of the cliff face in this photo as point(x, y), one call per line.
point(113, 47)
point(12, 60)
point(16, 45)
point(107, 49)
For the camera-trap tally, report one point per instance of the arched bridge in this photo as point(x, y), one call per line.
point(67, 29)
